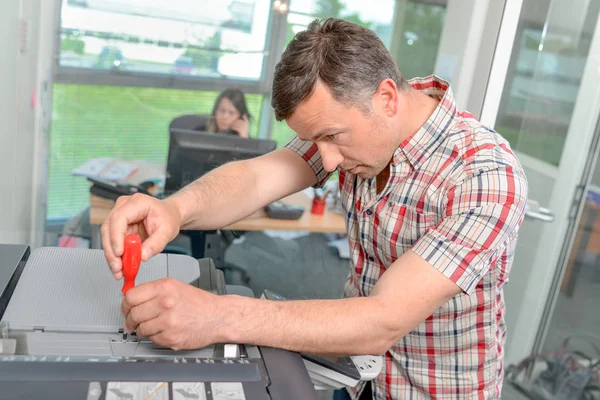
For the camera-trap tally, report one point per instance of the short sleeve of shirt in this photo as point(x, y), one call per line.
point(310, 153)
point(483, 214)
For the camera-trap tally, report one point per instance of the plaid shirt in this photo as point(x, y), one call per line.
point(456, 197)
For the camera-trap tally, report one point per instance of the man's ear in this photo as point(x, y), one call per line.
point(386, 97)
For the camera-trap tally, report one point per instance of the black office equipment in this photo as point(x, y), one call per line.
point(194, 153)
point(113, 190)
point(196, 122)
point(281, 210)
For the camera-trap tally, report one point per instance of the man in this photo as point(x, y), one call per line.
point(433, 201)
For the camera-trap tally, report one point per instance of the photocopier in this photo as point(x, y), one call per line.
point(61, 337)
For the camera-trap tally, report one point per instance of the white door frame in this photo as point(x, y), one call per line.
point(568, 175)
point(502, 54)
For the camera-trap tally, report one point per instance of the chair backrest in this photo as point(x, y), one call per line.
point(196, 122)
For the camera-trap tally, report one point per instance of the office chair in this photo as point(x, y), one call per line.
point(207, 243)
point(195, 122)
point(212, 244)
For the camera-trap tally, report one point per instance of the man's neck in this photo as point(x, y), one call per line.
point(382, 179)
point(415, 108)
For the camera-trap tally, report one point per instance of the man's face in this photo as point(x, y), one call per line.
point(347, 138)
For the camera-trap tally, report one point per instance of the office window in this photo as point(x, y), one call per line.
point(125, 69)
point(418, 23)
point(416, 50)
point(112, 121)
point(543, 82)
point(378, 18)
point(213, 39)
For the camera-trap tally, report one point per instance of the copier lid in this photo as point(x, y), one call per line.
point(72, 290)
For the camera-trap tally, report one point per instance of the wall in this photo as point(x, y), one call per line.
point(21, 147)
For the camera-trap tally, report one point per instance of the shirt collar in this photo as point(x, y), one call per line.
point(425, 141)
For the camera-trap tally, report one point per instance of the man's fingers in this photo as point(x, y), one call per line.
point(138, 295)
point(155, 243)
point(142, 313)
point(150, 328)
point(108, 253)
point(120, 201)
point(158, 339)
point(132, 211)
point(164, 339)
point(114, 262)
point(129, 215)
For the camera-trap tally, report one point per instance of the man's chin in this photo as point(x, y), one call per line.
point(362, 171)
point(366, 175)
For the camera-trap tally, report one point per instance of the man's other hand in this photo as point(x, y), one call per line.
point(173, 314)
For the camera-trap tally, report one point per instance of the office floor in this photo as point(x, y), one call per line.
point(509, 393)
point(301, 268)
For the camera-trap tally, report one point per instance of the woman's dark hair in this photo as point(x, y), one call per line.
point(238, 99)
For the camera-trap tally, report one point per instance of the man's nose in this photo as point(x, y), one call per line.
point(330, 157)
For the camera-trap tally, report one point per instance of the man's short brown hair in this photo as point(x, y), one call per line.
point(349, 59)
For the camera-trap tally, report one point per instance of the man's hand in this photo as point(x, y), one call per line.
point(173, 314)
point(156, 221)
point(242, 126)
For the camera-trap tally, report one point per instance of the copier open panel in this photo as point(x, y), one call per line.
point(64, 313)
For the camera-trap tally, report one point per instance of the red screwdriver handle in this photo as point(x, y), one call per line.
point(132, 258)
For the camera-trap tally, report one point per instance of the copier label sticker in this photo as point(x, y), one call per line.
point(227, 391)
point(188, 390)
point(94, 391)
point(137, 391)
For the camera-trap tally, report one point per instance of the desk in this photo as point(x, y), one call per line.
point(329, 222)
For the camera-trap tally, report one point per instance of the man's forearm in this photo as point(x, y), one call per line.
point(344, 326)
point(213, 201)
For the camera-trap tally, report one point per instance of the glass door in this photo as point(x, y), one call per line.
point(546, 103)
point(577, 290)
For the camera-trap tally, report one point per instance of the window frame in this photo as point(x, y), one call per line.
point(274, 45)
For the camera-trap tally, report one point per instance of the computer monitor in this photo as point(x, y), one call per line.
point(194, 153)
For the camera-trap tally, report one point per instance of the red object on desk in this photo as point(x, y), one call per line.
point(318, 206)
point(131, 258)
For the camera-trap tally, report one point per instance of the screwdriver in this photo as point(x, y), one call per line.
point(131, 258)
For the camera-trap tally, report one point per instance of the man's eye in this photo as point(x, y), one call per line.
point(332, 137)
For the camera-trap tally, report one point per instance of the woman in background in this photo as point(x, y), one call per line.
point(230, 114)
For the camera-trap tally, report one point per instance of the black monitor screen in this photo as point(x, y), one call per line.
point(194, 153)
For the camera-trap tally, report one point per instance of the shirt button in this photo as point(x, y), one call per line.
point(371, 259)
point(369, 212)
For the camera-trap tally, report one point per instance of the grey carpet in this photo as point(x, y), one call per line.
point(302, 268)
